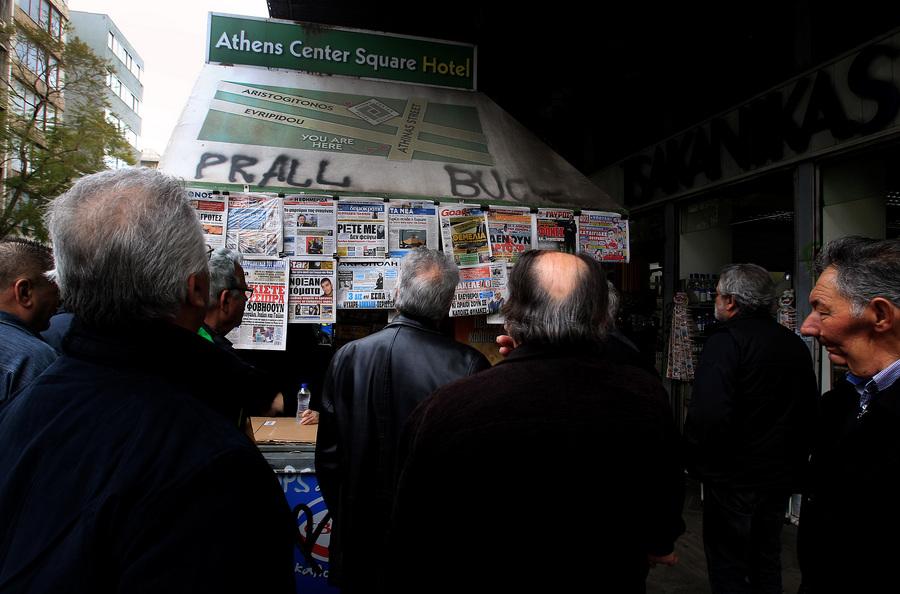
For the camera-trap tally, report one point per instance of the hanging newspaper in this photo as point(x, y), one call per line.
point(264, 326)
point(367, 285)
point(464, 234)
point(212, 210)
point(512, 231)
point(480, 290)
point(255, 226)
point(557, 230)
point(411, 224)
point(361, 229)
point(311, 298)
point(309, 225)
point(604, 236)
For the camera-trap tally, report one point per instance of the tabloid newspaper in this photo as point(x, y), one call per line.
point(557, 230)
point(311, 296)
point(412, 224)
point(212, 210)
point(480, 290)
point(264, 326)
point(603, 235)
point(512, 231)
point(255, 225)
point(464, 234)
point(367, 285)
point(361, 229)
point(309, 226)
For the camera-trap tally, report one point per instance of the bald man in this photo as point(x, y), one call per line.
point(514, 479)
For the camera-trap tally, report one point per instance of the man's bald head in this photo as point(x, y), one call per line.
point(556, 299)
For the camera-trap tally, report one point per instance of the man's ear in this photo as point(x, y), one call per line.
point(24, 292)
point(198, 291)
point(226, 302)
point(884, 312)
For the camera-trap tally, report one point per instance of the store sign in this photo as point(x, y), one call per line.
point(850, 99)
point(326, 50)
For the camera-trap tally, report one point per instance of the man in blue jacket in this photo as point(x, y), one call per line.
point(748, 431)
point(123, 469)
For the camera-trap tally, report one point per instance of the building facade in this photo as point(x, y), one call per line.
point(125, 88)
point(768, 181)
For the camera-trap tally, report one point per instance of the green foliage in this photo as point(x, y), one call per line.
point(45, 149)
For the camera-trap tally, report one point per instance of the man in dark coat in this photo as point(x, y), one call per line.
point(371, 387)
point(123, 469)
point(748, 431)
point(554, 471)
point(849, 518)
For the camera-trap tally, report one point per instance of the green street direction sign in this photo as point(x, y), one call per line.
point(319, 49)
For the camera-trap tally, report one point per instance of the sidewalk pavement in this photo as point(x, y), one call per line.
point(689, 575)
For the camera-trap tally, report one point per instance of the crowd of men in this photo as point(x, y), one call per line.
point(126, 465)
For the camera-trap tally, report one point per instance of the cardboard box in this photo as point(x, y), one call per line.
point(282, 430)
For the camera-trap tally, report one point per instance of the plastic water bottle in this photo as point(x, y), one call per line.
point(302, 401)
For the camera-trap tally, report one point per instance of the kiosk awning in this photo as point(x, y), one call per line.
point(293, 132)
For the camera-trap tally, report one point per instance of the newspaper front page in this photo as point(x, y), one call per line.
point(464, 234)
point(412, 224)
point(255, 225)
point(604, 236)
point(309, 226)
point(480, 290)
point(311, 295)
point(557, 230)
point(512, 231)
point(361, 229)
point(367, 285)
point(212, 210)
point(264, 326)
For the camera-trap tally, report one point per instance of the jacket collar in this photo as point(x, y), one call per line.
point(413, 322)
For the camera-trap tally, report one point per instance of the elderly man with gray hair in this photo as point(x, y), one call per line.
point(371, 387)
point(850, 520)
point(520, 478)
point(748, 431)
point(123, 468)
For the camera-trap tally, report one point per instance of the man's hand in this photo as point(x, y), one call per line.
point(507, 344)
point(671, 559)
point(309, 417)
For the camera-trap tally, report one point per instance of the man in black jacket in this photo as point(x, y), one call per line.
point(850, 520)
point(748, 431)
point(371, 387)
point(123, 469)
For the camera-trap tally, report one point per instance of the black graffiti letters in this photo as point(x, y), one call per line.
point(283, 168)
point(472, 184)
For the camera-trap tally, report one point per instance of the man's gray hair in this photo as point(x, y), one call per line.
point(222, 266)
point(534, 316)
point(866, 268)
point(23, 258)
point(751, 286)
point(126, 242)
point(427, 283)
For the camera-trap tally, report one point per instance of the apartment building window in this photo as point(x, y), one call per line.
point(45, 15)
point(126, 58)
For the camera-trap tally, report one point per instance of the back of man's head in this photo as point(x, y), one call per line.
point(427, 283)
point(557, 299)
point(866, 268)
point(22, 258)
point(126, 243)
point(223, 265)
point(750, 285)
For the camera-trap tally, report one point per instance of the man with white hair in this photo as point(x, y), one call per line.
point(849, 520)
point(123, 469)
point(370, 389)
